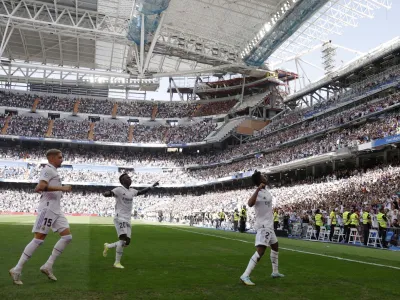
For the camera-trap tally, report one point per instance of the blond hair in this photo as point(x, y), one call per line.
point(52, 152)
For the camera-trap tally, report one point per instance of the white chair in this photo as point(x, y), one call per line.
point(322, 232)
point(354, 237)
point(373, 239)
point(327, 234)
point(338, 235)
point(310, 233)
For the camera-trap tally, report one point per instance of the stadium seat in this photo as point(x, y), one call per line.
point(311, 233)
point(322, 234)
point(338, 235)
point(374, 240)
point(354, 237)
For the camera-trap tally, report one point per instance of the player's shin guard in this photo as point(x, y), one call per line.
point(119, 251)
point(58, 249)
point(252, 264)
point(274, 261)
point(26, 255)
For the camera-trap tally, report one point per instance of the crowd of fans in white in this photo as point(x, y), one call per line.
point(363, 190)
point(387, 125)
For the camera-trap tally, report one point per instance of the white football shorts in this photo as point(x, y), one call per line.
point(47, 219)
point(123, 227)
point(265, 237)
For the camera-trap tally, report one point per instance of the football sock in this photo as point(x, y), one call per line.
point(27, 254)
point(58, 249)
point(274, 261)
point(252, 264)
point(119, 251)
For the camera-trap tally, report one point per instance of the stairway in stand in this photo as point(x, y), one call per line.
point(49, 132)
point(91, 131)
point(5, 127)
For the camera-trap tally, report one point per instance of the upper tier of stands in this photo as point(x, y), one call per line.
point(143, 109)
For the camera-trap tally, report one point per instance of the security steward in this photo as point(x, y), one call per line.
point(366, 217)
point(354, 220)
point(276, 220)
point(243, 219)
point(333, 218)
point(382, 221)
point(236, 218)
point(346, 222)
point(221, 217)
point(318, 222)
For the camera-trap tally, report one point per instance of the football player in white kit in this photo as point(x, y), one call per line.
point(262, 202)
point(122, 219)
point(49, 216)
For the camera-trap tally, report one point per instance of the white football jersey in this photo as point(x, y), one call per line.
point(263, 210)
point(50, 200)
point(124, 202)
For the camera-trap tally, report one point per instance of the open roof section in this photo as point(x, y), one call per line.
point(90, 35)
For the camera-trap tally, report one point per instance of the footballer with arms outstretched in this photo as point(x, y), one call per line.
point(49, 216)
point(261, 200)
point(123, 210)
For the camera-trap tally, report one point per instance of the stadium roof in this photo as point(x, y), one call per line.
point(86, 40)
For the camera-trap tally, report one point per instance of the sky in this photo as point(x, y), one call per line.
point(369, 33)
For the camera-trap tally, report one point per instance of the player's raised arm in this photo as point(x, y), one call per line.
point(145, 190)
point(43, 186)
point(253, 198)
point(108, 194)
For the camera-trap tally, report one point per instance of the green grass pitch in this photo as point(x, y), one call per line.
point(166, 262)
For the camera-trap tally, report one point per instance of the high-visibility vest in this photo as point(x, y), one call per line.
point(221, 215)
point(354, 219)
point(333, 218)
point(243, 213)
point(365, 216)
point(236, 216)
point(276, 217)
point(318, 220)
point(345, 216)
point(381, 221)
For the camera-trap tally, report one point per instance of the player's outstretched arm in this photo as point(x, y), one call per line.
point(108, 194)
point(253, 198)
point(43, 186)
point(145, 190)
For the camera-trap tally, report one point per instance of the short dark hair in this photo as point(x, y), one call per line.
point(52, 152)
point(256, 178)
point(120, 177)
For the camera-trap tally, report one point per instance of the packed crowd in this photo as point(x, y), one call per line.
point(215, 108)
point(71, 129)
point(386, 125)
point(361, 189)
point(31, 173)
point(28, 126)
point(290, 117)
point(110, 131)
point(124, 108)
point(172, 110)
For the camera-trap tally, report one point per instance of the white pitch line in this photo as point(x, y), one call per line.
point(294, 250)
